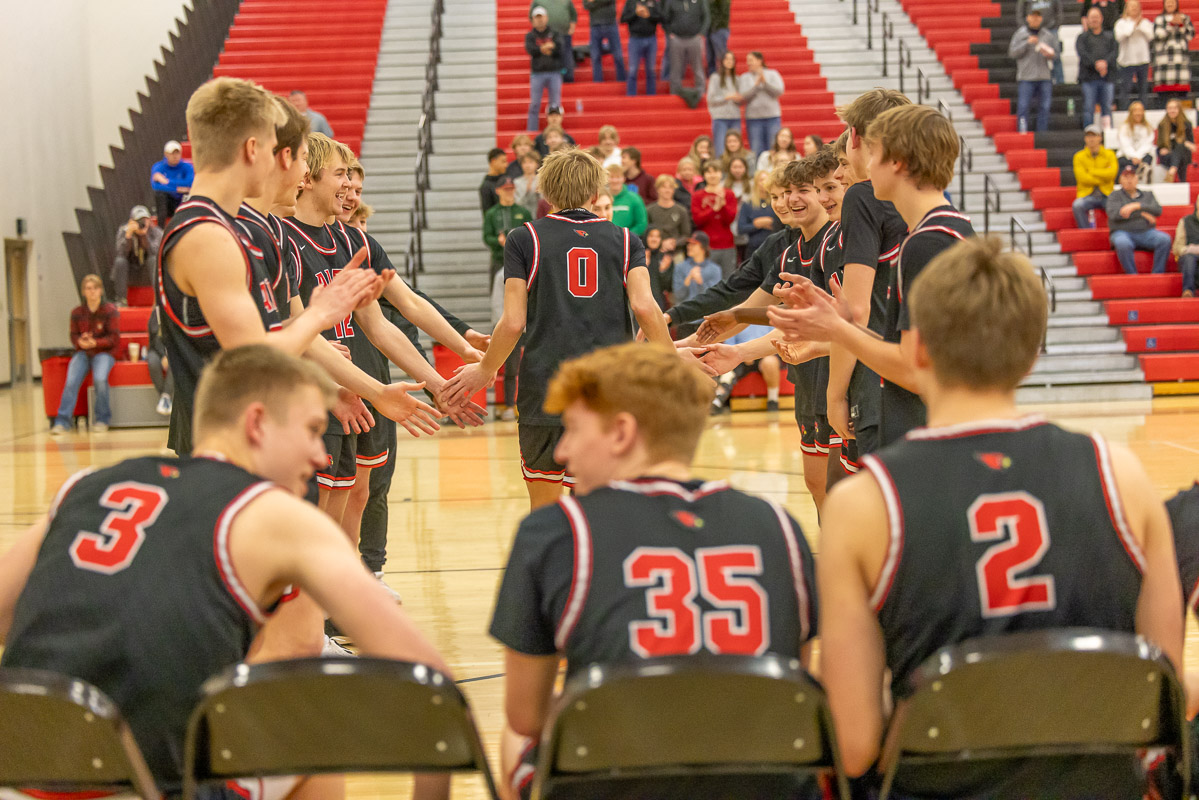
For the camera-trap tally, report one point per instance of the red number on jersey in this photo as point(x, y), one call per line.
point(1016, 521)
point(343, 329)
point(582, 270)
point(678, 627)
point(134, 506)
point(268, 296)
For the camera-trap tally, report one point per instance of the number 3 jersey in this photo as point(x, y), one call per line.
point(133, 591)
point(654, 567)
point(997, 527)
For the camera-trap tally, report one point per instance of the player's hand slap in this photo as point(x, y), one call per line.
point(416, 416)
point(715, 326)
point(468, 380)
point(718, 359)
point(351, 412)
point(812, 314)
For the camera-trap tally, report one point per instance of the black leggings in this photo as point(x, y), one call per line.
point(1179, 157)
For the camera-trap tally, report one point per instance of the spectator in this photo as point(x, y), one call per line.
point(603, 204)
point(1186, 249)
point(738, 178)
point(95, 335)
point(701, 149)
point(1095, 171)
point(661, 267)
point(755, 218)
point(642, 18)
point(527, 193)
point(554, 139)
point(1175, 142)
point(1172, 34)
point(604, 32)
point(498, 221)
point(718, 32)
point(1137, 141)
point(769, 366)
point(713, 209)
point(609, 146)
point(1111, 10)
point(1051, 19)
point(497, 167)
point(521, 144)
point(1033, 48)
point(812, 143)
point(640, 180)
point(547, 53)
point(171, 179)
point(1133, 35)
point(1131, 217)
point(760, 90)
point(561, 18)
point(734, 146)
point(159, 366)
point(688, 177)
point(724, 102)
point(137, 249)
point(783, 148)
point(1097, 55)
point(668, 216)
point(317, 122)
point(695, 274)
point(553, 119)
point(360, 216)
point(686, 24)
point(628, 210)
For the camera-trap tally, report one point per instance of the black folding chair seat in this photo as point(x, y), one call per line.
point(712, 722)
point(330, 715)
point(62, 734)
point(985, 707)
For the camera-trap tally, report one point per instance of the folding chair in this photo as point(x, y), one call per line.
point(727, 720)
point(1033, 695)
point(330, 715)
point(63, 734)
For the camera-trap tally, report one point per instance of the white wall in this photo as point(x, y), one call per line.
point(69, 72)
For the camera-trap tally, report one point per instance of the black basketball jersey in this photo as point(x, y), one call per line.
point(941, 229)
point(189, 340)
point(654, 567)
point(266, 232)
point(134, 591)
point(827, 272)
point(1184, 518)
point(575, 266)
point(997, 527)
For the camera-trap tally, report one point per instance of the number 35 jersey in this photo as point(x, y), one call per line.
point(997, 527)
point(654, 567)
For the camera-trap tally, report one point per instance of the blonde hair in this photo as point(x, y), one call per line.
point(521, 138)
point(321, 150)
point(841, 143)
point(362, 213)
point(919, 137)
point(249, 374)
point(667, 397)
point(861, 112)
point(225, 112)
point(355, 167)
point(608, 132)
point(614, 169)
point(91, 277)
point(981, 313)
point(1128, 126)
point(570, 178)
point(667, 182)
point(760, 193)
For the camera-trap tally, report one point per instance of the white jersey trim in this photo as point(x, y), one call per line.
point(793, 554)
point(224, 561)
point(1116, 504)
point(894, 530)
point(580, 583)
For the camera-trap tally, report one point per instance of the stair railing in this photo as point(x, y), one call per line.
point(888, 32)
point(991, 199)
point(965, 165)
point(872, 8)
point(1046, 280)
point(904, 60)
point(924, 88)
point(418, 217)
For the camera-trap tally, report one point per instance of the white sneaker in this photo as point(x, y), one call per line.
point(164, 405)
point(509, 414)
point(379, 577)
point(334, 650)
point(100, 427)
point(58, 429)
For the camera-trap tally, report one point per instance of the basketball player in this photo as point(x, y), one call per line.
point(215, 290)
point(1015, 524)
point(188, 559)
point(913, 150)
point(585, 576)
point(572, 277)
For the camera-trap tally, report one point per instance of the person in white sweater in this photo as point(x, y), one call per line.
point(760, 90)
point(1134, 34)
point(1137, 141)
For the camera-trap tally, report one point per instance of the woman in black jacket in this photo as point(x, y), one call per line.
point(1175, 142)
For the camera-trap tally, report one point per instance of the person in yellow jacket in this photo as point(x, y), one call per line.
point(1095, 173)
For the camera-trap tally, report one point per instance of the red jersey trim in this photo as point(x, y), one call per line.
point(793, 555)
point(891, 254)
point(536, 255)
point(1115, 506)
point(655, 488)
point(349, 245)
point(220, 544)
point(626, 257)
point(580, 583)
point(977, 428)
point(307, 238)
point(886, 575)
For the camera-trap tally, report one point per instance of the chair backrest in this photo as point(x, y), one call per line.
point(1039, 694)
point(63, 734)
point(687, 716)
point(323, 715)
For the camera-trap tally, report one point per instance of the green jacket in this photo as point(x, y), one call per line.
point(628, 211)
point(720, 14)
point(501, 219)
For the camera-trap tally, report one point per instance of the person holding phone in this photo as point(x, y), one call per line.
point(137, 249)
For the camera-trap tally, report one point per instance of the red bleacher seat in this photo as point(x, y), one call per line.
point(1170, 367)
point(1113, 287)
point(1151, 311)
point(1161, 338)
point(1038, 177)
point(1025, 159)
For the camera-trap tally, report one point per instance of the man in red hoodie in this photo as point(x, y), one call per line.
point(713, 209)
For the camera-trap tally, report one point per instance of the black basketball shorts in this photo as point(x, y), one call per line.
point(372, 448)
point(537, 443)
point(341, 467)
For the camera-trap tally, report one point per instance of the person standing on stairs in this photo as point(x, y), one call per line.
point(561, 17)
point(1134, 35)
point(1172, 34)
point(642, 18)
point(547, 53)
point(718, 31)
point(760, 90)
point(1097, 57)
point(686, 23)
point(604, 31)
point(1051, 19)
point(1034, 48)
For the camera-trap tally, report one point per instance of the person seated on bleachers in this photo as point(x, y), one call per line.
point(1172, 34)
point(1131, 217)
point(526, 182)
point(317, 122)
point(782, 149)
point(811, 143)
point(158, 364)
point(697, 272)
point(734, 145)
point(553, 119)
point(608, 142)
point(171, 179)
point(1137, 140)
point(521, 143)
point(755, 216)
point(701, 148)
point(1095, 170)
point(1186, 249)
point(1134, 37)
point(555, 139)
point(635, 177)
point(628, 208)
point(1097, 55)
point(770, 367)
point(1175, 142)
point(137, 249)
point(686, 174)
point(95, 335)
point(633, 415)
point(670, 216)
point(1034, 48)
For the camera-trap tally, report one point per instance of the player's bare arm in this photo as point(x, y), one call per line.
point(800, 352)
point(471, 378)
point(528, 691)
point(723, 324)
point(857, 284)
point(421, 313)
point(15, 566)
point(719, 358)
point(645, 307)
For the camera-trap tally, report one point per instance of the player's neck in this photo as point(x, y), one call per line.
point(814, 227)
point(226, 188)
point(259, 204)
point(227, 448)
point(645, 468)
point(956, 405)
point(913, 204)
point(309, 214)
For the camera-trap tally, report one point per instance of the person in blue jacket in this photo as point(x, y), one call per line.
point(171, 179)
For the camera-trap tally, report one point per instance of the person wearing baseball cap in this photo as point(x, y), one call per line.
point(1132, 218)
point(1095, 173)
point(171, 179)
point(546, 50)
point(553, 118)
point(1034, 49)
point(137, 252)
point(695, 274)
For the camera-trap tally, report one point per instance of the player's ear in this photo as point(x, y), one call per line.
point(249, 149)
point(594, 199)
point(623, 428)
point(253, 421)
point(917, 351)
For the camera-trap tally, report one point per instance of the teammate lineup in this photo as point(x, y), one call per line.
point(945, 514)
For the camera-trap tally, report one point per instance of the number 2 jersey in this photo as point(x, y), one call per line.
point(997, 527)
point(575, 266)
point(134, 591)
point(655, 567)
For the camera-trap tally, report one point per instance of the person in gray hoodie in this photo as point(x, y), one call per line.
point(1132, 219)
point(1034, 48)
point(760, 90)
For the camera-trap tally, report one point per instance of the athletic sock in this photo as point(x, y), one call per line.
point(772, 395)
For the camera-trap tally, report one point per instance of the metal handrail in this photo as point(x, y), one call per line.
point(888, 32)
point(944, 108)
point(1046, 280)
point(965, 165)
point(989, 189)
point(418, 217)
point(903, 62)
point(872, 8)
point(924, 87)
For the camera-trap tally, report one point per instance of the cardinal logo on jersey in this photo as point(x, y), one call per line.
point(581, 233)
point(168, 471)
point(687, 519)
point(995, 461)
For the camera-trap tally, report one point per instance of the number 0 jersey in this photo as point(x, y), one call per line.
point(575, 266)
point(133, 591)
point(654, 567)
point(997, 527)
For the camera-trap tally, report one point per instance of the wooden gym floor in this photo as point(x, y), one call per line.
point(457, 498)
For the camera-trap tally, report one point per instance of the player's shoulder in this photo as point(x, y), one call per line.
point(1184, 511)
point(544, 526)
